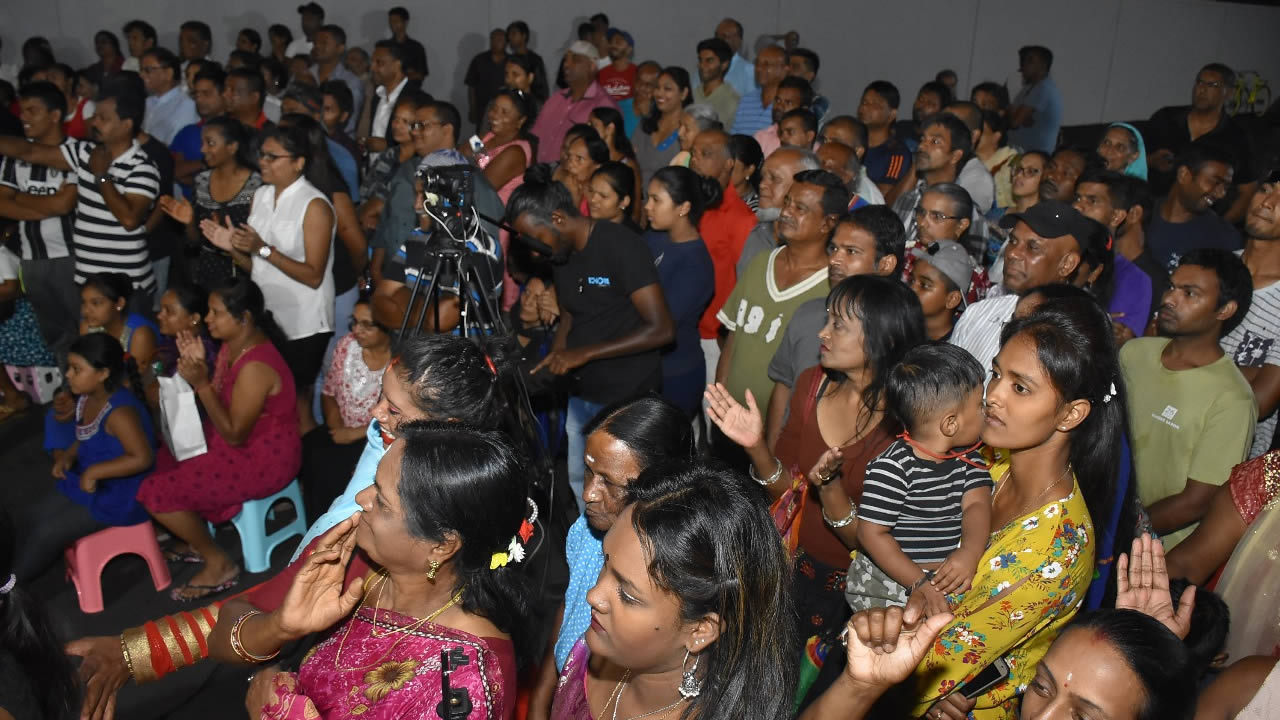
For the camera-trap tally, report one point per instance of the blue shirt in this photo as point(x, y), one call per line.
point(346, 167)
point(1042, 134)
point(190, 146)
point(168, 113)
point(340, 72)
point(887, 162)
point(115, 500)
point(584, 551)
point(751, 116)
point(345, 505)
point(688, 278)
point(741, 75)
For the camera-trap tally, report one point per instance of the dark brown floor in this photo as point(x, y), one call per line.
point(130, 597)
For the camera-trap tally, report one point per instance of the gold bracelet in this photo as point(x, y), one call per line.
point(239, 648)
point(128, 660)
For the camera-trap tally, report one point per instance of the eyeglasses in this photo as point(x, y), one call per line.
point(933, 214)
point(1213, 84)
point(272, 157)
point(364, 325)
point(422, 125)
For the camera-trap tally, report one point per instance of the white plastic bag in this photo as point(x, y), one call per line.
point(183, 430)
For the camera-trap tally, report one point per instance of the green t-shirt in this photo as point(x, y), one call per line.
point(757, 313)
point(1195, 424)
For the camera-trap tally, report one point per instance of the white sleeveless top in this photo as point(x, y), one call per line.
point(299, 310)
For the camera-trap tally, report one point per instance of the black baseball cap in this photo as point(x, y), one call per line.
point(1051, 219)
point(311, 8)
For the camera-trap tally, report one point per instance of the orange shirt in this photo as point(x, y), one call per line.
point(724, 230)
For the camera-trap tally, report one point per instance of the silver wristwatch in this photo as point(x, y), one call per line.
point(265, 251)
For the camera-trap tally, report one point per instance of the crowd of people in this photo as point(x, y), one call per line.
point(861, 416)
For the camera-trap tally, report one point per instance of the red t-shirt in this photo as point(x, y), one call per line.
point(618, 83)
point(724, 230)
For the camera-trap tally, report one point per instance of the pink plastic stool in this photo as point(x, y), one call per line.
point(90, 554)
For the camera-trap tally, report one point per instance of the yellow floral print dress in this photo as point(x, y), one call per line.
point(1029, 584)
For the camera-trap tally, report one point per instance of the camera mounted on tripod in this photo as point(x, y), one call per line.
point(448, 196)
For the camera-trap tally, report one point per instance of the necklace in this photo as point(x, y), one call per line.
point(616, 699)
point(1033, 504)
point(406, 629)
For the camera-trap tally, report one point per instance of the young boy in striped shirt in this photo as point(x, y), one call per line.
point(926, 501)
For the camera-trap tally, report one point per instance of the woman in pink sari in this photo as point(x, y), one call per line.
point(441, 616)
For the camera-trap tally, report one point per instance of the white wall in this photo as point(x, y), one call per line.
point(1114, 59)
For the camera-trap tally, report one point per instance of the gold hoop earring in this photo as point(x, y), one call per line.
point(431, 571)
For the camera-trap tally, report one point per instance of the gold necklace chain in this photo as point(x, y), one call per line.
point(616, 700)
point(1033, 504)
point(406, 629)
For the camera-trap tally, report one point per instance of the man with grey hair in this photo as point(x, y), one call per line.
point(776, 177)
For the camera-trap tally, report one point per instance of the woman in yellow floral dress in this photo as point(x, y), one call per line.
point(1056, 400)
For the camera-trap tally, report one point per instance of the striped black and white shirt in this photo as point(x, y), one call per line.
point(50, 237)
point(1254, 343)
point(920, 499)
point(979, 327)
point(100, 243)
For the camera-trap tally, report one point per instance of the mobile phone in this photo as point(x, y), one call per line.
point(991, 676)
point(477, 145)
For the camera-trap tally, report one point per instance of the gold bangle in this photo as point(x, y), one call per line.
point(239, 648)
point(128, 660)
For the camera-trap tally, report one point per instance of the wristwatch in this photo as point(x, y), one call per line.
point(265, 251)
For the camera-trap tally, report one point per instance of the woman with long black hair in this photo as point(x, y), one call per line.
point(657, 140)
point(36, 678)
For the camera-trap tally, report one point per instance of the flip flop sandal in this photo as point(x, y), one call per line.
point(203, 591)
point(186, 556)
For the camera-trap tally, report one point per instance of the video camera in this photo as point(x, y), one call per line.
point(448, 196)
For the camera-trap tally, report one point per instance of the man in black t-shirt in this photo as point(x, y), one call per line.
point(1172, 130)
point(613, 315)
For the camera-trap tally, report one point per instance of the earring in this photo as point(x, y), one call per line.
point(690, 685)
point(431, 571)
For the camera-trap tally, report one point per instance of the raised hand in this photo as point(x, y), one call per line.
point(218, 234)
point(743, 425)
point(177, 208)
point(245, 239)
point(317, 600)
point(829, 463)
point(886, 644)
point(190, 346)
point(1142, 584)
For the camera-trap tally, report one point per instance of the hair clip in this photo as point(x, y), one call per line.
point(489, 361)
point(1110, 394)
point(9, 585)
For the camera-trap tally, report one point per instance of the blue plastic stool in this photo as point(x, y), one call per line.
point(251, 524)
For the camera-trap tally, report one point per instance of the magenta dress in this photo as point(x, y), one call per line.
point(394, 677)
point(216, 483)
point(570, 702)
point(510, 290)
